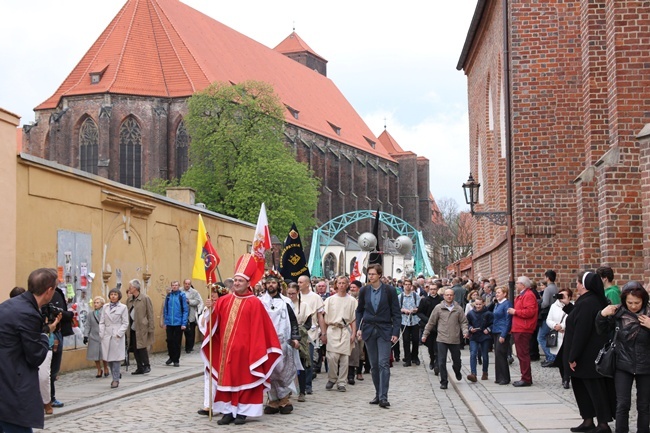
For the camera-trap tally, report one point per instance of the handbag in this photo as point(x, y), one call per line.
point(606, 359)
point(551, 339)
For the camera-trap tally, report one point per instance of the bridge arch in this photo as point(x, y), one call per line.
point(325, 234)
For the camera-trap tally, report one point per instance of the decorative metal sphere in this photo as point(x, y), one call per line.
point(367, 241)
point(403, 244)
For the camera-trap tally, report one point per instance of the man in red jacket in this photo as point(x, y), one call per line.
point(524, 322)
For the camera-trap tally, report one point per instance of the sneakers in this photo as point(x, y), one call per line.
point(56, 403)
point(329, 385)
point(471, 377)
point(301, 397)
point(341, 388)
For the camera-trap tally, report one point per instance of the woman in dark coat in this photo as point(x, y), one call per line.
point(594, 393)
point(632, 354)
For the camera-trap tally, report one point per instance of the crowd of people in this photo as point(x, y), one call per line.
point(264, 340)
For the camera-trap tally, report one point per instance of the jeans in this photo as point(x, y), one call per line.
point(309, 371)
point(379, 354)
point(474, 348)
point(115, 369)
point(174, 336)
point(541, 339)
point(623, 382)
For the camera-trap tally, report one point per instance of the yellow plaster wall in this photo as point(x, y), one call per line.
point(8, 124)
point(146, 236)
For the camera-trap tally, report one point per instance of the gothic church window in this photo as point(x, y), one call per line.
point(88, 146)
point(182, 146)
point(330, 266)
point(130, 153)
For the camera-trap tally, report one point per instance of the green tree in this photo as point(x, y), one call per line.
point(159, 186)
point(238, 158)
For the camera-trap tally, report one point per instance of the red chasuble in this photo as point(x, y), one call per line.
point(245, 350)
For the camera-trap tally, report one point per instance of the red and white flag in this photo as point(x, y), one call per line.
point(261, 243)
point(359, 264)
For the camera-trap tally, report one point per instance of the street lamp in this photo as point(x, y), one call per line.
point(471, 190)
point(445, 259)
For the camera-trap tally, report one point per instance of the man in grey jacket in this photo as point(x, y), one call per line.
point(195, 302)
point(449, 319)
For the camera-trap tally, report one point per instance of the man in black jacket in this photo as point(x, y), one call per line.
point(427, 305)
point(379, 318)
point(23, 347)
point(64, 329)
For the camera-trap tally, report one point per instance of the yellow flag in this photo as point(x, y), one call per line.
point(206, 258)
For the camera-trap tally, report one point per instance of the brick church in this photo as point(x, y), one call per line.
point(119, 113)
point(558, 101)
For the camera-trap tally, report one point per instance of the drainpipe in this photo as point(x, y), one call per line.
point(508, 128)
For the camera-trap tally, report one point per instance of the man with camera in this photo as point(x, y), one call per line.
point(23, 347)
point(64, 329)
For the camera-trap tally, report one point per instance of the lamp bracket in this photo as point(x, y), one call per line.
point(498, 218)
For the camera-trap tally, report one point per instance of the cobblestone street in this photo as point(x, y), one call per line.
point(417, 406)
point(167, 400)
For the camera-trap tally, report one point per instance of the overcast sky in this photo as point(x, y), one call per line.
point(393, 60)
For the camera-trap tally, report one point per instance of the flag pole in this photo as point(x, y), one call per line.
point(211, 399)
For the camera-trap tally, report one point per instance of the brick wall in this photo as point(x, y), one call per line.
point(579, 91)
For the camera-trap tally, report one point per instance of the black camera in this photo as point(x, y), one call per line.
point(558, 296)
point(50, 312)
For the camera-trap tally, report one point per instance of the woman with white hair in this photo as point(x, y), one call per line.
point(524, 323)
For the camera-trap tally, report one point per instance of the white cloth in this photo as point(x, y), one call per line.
point(556, 316)
point(340, 312)
point(112, 328)
point(315, 304)
point(44, 377)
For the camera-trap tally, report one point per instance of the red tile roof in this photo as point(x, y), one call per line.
point(164, 48)
point(294, 44)
point(436, 215)
point(390, 143)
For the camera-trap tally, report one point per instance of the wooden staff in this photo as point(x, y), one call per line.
point(210, 349)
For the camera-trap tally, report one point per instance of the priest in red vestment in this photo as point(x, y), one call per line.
point(245, 349)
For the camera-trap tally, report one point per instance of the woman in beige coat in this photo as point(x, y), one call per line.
point(112, 329)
